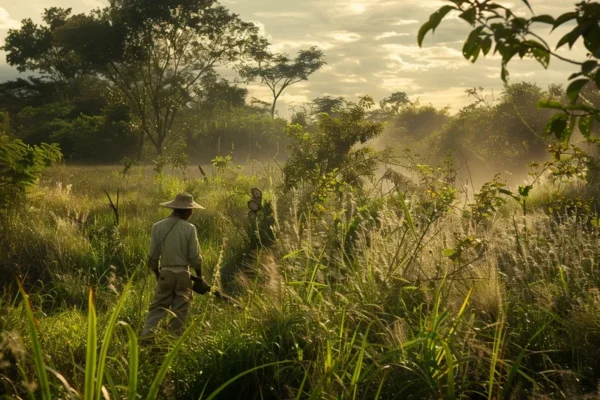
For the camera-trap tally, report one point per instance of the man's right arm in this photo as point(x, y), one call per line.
point(194, 257)
point(154, 253)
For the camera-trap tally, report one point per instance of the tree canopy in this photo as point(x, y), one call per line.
point(279, 71)
point(154, 55)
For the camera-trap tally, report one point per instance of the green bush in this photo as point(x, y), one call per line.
point(21, 166)
point(335, 154)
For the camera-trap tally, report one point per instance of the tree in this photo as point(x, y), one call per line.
point(331, 155)
point(329, 105)
point(506, 133)
point(32, 92)
point(390, 106)
point(33, 48)
point(4, 124)
point(515, 35)
point(218, 93)
point(40, 113)
point(156, 54)
point(220, 120)
point(392, 103)
point(278, 71)
point(414, 122)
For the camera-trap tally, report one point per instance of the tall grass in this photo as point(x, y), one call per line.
point(359, 302)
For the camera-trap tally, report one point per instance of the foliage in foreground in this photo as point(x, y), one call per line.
point(391, 296)
point(515, 35)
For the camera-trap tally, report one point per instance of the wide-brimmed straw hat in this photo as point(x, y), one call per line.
point(183, 201)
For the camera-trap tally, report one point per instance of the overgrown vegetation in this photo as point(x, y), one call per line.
point(359, 271)
point(392, 294)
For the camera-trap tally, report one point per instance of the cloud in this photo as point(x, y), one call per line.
point(386, 35)
point(401, 65)
point(284, 14)
point(357, 8)
point(344, 36)
point(6, 22)
point(369, 46)
point(402, 22)
point(455, 97)
point(282, 46)
point(290, 98)
point(414, 58)
point(262, 30)
point(391, 83)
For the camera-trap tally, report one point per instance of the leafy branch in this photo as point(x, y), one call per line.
point(513, 35)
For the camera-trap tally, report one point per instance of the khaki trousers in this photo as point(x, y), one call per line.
point(174, 292)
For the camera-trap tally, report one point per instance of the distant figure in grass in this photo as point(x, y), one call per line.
point(174, 246)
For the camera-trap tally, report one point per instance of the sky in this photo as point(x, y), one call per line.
point(370, 47)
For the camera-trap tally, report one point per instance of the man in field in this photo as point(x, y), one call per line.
point(175, 246)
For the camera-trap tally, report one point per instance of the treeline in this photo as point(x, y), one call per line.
point(92, 126)
point(495, 133)
point(492, 134)
point(139, 78)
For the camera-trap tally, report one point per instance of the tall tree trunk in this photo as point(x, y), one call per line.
point(140, 148)
point(273, 107)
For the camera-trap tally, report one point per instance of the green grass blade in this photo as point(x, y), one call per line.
point(498, 341)
point(107, 339)
point(450, 364)
point(460, 313)
point(36, 345)
point(223, 386)
point(359, 362)
point(301, 388)
point(517, 364)
point(380, 387)
point(72, 393)
point(154, 388)
point(133, 361)
point(90, 358)
point(407, 215)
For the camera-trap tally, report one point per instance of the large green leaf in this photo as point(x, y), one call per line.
point(575, 87)
point(469, 15)
point(426, 27)
point(437, 16)
point(38, 357)
point(160, 376)
point(108, 337)
point(557, 125)
point(545, 19)
point(570, 37)
point(564, 18)
point(586, 123)
point(588, 66)
point(90, 359)
point(556, 105)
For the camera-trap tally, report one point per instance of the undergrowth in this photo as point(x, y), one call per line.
point(396, 294)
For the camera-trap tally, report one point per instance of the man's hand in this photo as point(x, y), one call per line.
point(200, 285)
point(153, 265)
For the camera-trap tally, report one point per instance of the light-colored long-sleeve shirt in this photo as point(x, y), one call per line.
point(175, 243)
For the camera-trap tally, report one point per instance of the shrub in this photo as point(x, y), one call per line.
point(332, 156)
point(21, 166)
